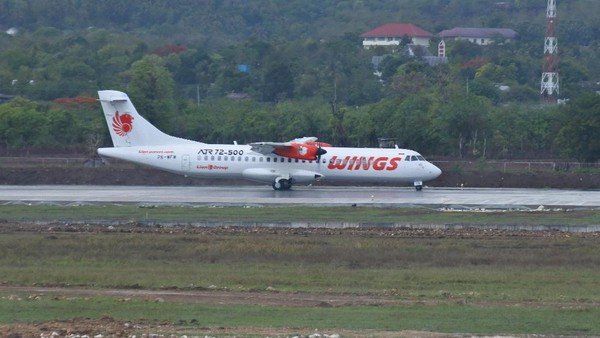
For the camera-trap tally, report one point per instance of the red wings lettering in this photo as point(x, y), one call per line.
point(363, 163)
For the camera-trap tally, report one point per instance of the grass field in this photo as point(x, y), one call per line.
point(450, 318)
point(466, 281)
point(133, 213)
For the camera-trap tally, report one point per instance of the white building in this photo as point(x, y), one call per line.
point(391, 34)
point(480, 36)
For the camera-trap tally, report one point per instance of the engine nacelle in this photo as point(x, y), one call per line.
point(271, 175)
point(305, 176)
point(261, 174)
point(301, 151)
point(320, 144)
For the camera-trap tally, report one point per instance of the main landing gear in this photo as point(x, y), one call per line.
point(282, 184)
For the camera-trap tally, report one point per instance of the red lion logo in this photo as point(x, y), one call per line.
point(122, 124)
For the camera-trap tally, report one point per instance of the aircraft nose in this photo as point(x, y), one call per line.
point(434, 170)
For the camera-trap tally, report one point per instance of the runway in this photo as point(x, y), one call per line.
point(312, 196)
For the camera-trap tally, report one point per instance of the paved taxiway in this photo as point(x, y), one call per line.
point(319, 195)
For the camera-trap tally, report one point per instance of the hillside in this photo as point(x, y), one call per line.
point(224, 71)
point(222, 22)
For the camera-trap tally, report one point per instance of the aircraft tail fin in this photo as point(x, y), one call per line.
point(127, 127)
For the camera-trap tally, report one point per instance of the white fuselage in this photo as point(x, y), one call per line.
point(240, 161)
point(282, 164)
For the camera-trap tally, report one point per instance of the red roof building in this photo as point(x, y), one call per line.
point(391, 34)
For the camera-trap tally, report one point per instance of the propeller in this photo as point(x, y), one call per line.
point(320, 152)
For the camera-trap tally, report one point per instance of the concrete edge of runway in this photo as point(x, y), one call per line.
point(447, 199)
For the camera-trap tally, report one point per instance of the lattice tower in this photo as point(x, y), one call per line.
point(550, 87)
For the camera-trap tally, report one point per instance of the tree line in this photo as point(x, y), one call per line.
point(469, 126)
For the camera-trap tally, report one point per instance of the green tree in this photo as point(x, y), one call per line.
point(65, 128)
point(302, 118)
point(22, 125)
point(579, 136)
point(151, 89)
point(463, 123)
point(360, 127)
point(520, 131)
point(278, 82)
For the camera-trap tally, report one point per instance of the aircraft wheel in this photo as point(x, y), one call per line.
point(419, 187)
point(286, 184)
point(282, 184)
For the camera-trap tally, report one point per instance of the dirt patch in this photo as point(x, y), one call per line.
point(463, 233)
point(108, 327)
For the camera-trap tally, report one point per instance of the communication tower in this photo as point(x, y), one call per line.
point(550, 87)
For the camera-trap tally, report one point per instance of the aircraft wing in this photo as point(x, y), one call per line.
point(304, 148)
point(267, 148)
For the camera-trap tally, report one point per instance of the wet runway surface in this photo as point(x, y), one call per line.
point(319, 196)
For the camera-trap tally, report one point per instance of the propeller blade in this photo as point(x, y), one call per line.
point(320, 152)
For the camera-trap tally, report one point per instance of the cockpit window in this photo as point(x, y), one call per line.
point(421, 158)
point(414, 158)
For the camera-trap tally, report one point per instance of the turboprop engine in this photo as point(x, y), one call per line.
point(302, 151)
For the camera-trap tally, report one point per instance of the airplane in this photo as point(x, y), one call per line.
point(281, 164)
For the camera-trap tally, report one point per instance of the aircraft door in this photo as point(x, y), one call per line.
point(185, 163)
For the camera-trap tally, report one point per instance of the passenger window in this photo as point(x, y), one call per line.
point(218, 158)
point(290, 160)
point(296, 161)
point(260, 159)
point(268, 159)
point(212, 158)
